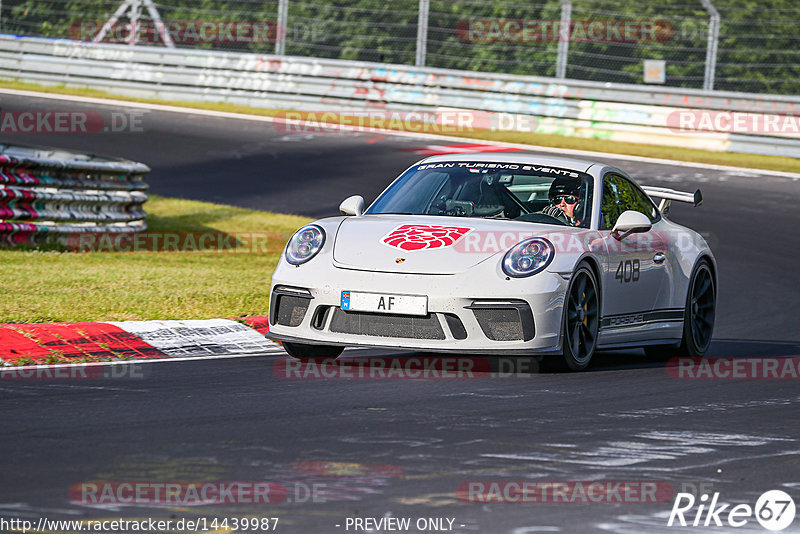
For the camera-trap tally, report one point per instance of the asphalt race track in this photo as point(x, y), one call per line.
point(401, 448)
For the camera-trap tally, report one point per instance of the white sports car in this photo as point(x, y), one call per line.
point(499, 254)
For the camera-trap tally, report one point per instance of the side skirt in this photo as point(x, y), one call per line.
point(656, 327)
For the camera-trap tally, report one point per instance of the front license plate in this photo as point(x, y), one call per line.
point(384, 303)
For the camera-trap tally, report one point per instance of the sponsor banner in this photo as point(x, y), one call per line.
point(185, 32)
point(733, 122)
point(572, 492)
point(384, 368)
point(734, 368)
point(553, 31)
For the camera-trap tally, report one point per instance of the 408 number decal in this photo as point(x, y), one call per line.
point(627, 271)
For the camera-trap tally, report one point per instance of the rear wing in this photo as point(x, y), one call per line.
point(667, 195)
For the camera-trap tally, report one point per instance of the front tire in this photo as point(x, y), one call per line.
point(581, 319)
point(305, 352)
point(698, 320)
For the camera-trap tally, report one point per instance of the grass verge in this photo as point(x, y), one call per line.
point(49, 286)
point(752, 161)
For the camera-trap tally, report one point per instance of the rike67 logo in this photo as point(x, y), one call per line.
point(774, 510)
point(410, 237)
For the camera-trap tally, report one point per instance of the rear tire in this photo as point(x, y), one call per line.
point(305, 352)
point(698, 320)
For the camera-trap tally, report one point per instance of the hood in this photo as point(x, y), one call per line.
point(426, 244)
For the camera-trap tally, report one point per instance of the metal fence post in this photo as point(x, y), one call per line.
point(135, 7)
point(563, 39)
point(422, 32)
point(282, 31)
point(711, 48)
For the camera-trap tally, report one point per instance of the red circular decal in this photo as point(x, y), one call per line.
point(422, 236)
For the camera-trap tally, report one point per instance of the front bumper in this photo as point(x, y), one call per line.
point(462, 308)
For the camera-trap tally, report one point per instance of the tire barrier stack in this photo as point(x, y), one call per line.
point(715, 120)
point(47, 195)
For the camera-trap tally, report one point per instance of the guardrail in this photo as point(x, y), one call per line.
point(49, 194)
point(619, 112)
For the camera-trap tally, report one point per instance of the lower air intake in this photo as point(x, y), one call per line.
point(291, 310)
point(386, 325)
point(500, 324)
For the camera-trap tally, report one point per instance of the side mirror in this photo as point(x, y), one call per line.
point(631, 222)
point(352, 206)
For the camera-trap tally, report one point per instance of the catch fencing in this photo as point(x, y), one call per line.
point(616, 112)
point(47, 195)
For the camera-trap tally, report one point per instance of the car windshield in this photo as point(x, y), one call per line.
point(521, 192)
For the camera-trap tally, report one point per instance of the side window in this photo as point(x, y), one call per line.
point(620, 195)
point(611, 207)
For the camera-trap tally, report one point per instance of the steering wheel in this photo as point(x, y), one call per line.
point(541, 218)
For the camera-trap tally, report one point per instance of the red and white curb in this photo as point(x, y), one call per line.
point(134, 340)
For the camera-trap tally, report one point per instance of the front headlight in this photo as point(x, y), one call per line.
point(304, 244)
point(528, 257)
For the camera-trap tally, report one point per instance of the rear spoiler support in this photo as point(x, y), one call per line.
point(666, 195)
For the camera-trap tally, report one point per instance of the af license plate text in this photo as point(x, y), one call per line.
point(384, 303)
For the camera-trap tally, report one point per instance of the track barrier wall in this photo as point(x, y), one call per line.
point(667, 116)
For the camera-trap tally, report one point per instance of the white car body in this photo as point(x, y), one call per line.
point(461, 279)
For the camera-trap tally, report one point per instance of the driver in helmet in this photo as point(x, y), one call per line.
point(564, 196)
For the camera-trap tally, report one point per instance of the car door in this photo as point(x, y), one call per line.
point(635, 280)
